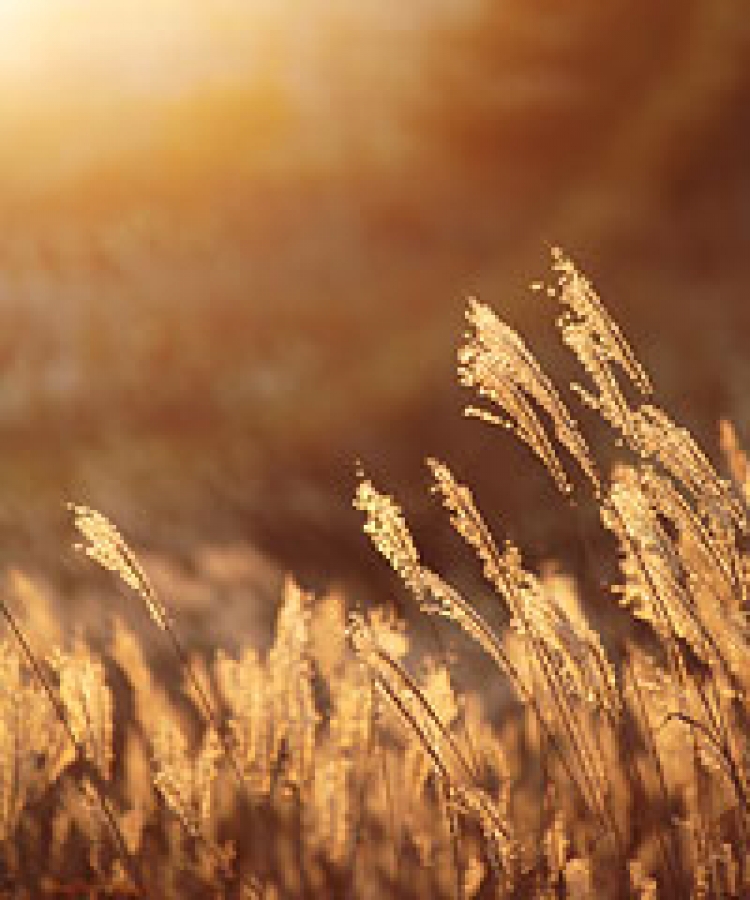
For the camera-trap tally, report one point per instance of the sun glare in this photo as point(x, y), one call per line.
point(105, 43)
point(15, 16)
point(176, 84)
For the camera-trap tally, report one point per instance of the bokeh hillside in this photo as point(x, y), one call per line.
point(237, 240)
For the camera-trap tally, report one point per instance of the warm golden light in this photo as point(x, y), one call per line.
point(178, 84)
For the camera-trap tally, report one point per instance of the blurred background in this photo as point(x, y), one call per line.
point(237, 238)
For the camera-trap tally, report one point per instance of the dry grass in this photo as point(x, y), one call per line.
point(343, 763)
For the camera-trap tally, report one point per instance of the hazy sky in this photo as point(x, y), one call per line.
point(81, 80)
point(145, 44)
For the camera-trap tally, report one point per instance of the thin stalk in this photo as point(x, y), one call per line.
point(455, 842)
point(359, 826)
point(669, 859)
point(94, 775)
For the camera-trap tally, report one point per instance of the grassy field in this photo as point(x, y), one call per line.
point(335, 753)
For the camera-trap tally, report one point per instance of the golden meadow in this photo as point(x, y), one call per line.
point(345, 761)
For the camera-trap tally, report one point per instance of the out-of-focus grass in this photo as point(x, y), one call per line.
point(234, 279)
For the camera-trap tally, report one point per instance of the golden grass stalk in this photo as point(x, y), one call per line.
point(585, 309)
point(104, 544)
point(498, 365)
point(419, 717)
point(93, 782)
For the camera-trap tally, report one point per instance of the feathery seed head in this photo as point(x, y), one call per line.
point(387, 529)
point(584, 308)
point(496, 363)
point(106, 546)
